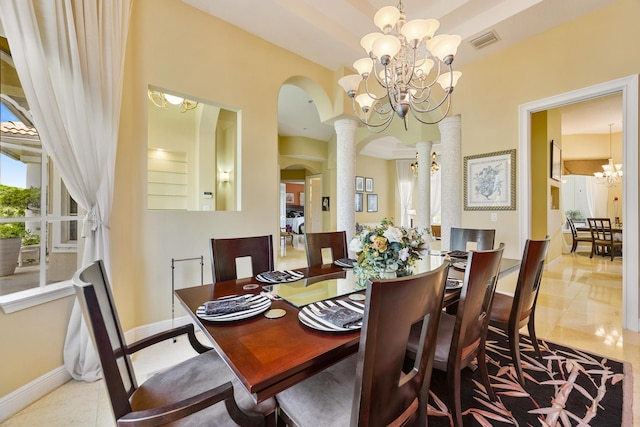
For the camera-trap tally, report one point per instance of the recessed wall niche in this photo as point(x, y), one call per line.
point(192, 157)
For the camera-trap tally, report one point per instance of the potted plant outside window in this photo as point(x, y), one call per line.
point(14, 202)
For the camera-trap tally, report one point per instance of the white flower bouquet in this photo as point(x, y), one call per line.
point(387, 249)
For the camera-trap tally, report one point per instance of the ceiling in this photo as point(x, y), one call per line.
point(328, 32)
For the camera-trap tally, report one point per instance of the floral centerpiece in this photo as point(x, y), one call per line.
point(388, 251)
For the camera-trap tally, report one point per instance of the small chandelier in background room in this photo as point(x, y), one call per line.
point(611, 173)
point(396, 75)
point(435, 167)
point(161, 100)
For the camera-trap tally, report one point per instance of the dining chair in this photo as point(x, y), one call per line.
point(199, 391)
point(577, 238)
point(461, 337)
point(484, 239)
point(603, 237)
point(316, 242)
point(512, 312)
point(226, 252)
point(374, 387)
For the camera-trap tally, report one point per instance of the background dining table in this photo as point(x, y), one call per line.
point(270, 355)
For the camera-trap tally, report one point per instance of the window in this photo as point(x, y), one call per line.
point(38, 217)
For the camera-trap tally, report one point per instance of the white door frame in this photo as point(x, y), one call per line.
point(629, 88)
point(313, 208)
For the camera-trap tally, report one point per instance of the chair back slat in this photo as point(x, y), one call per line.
point(384, 391)
point(224, 253)
point(99, 311)
point(474, 306)
point(600, 228)
point(316, 242)
point(484, 239)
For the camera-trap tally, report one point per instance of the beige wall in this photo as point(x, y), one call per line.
point(554, 62)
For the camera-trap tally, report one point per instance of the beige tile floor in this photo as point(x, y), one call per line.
point(579, 305)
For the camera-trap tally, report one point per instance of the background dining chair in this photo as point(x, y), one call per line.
point(316, 242)
point(225, 252)
point(201, 390)
point(512, 312)
point(603, 237)
point(461, 337)
point(484, 239)
point(577, 238)
point(372, 388)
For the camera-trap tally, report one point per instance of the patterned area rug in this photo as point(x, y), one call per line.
point(569, 387)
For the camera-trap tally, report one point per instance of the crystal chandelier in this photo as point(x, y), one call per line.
point(161, 100)
point(435, 167)
point(611, 173)
point(397, 73)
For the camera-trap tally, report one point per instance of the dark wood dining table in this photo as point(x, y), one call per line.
point(270, 355)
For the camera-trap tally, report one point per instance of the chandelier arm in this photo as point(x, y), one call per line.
point(447, 97)
point(366, 88)
point(385, 120)
point(413, 113)
point(435, 79)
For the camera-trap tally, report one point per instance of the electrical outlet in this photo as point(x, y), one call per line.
point(494, 217)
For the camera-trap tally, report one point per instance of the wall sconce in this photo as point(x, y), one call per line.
point(224, 177)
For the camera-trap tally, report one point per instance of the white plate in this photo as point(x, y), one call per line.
point(290, 276)
point(453, 284)
point(308, 318)
point(460, 265)
point(259, 304)
point(342, 264)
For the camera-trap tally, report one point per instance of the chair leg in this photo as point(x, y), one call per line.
point(593, 249)
point(575, 246)
point(453, 383)
point(514, 344)
point(531, 325)
point(484, 373)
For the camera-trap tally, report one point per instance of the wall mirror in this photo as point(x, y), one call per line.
point(192, 153)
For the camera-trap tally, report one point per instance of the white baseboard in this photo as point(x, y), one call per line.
point(19, 399)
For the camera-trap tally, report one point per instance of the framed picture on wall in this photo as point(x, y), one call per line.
point(372, 203)
point(368, 185)
point(556, 161)
point(289, 197)
point(490, 181)
point(359, 202)
point(359, 183)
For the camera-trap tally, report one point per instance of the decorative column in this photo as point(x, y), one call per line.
point(451, 165)
point(346, 176)
point(423, 208)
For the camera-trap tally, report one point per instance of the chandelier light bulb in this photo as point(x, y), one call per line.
point(445, 80)
point(367, 41)
point(363, 66)
point(386, 18)
point(385, 48)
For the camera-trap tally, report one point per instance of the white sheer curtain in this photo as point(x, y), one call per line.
point(597, 195)
point(406, 181)
point(69, 55)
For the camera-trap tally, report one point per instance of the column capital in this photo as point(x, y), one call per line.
point(450, 121)
point(345, 124)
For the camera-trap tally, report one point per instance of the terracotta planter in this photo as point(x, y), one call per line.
point(9, 251)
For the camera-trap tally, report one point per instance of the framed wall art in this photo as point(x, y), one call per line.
point(368, 185)
point(359, 202)
point(372, 203)
point(359, 183)
point(490, 181)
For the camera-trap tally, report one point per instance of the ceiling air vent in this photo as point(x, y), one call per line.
point(484, 40)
